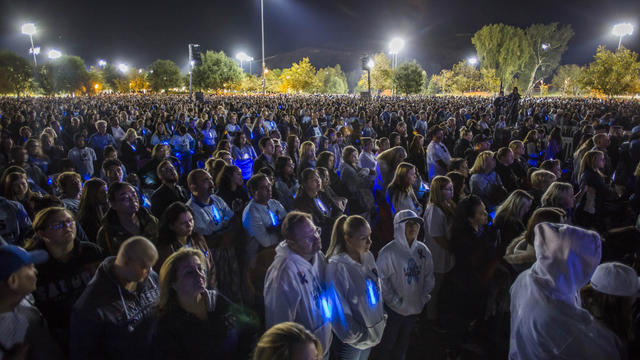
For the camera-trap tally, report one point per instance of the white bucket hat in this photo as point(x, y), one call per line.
point(617, 279)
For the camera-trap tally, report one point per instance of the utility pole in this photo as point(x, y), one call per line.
point(264, 80)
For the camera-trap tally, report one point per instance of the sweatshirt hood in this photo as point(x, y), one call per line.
point(567, 256)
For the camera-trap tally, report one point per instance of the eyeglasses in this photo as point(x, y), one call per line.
point(62, 224)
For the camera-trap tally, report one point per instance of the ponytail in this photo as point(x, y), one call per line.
point(337, 245)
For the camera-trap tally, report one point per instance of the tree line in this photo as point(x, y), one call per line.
point(507, 56)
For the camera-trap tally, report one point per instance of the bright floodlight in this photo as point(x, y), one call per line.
point(370, 64)
point(123, 68)
point(242, 56)
point(545, 46)
point(35, 50)
point(54, 54)
point(140, 71)
point(102, 63)
point(622, 29)
point(473, 60)
point(396, 45)
point(29, 29)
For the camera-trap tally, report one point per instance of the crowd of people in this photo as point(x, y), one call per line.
point(319, 227)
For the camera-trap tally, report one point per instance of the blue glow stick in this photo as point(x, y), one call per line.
point(274, 218)
point(371, 292)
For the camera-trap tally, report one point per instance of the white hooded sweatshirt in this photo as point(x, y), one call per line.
point(406, 273)
point(547, 321)
point(358, 290)
point(293, 291)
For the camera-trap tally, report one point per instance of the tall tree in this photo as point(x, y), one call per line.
point(567, 79)
point(300, 77)
point(216, 72)
point(381, 74)
point(613, 73)
point(163, 75)
point(66, 74)
point(548, 42)
point(16, 73)
point(409, 78)
point(503, 48)
point(272, 80)
point(114, 78)
point(332, 80)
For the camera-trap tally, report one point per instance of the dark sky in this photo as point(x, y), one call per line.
point(438, 32)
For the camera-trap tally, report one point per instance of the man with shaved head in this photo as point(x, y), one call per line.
point(112, 318)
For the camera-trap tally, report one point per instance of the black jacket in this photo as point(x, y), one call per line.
point(509, 179)
point(178, 334)
point(323, 218)
point(261, 162)
point(165, 196)
point(61, 284)
point(101, 328)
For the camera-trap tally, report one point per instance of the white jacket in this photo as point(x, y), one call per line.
point(358, 290)
point(262, 224)
point(212, 217)
point(547, 321)
point(406, 273)
point(293, 292)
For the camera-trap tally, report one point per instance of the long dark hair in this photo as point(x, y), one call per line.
point(89, 208)
point(166, 235)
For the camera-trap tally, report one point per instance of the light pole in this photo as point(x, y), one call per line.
point(264, 80)
point(621, 30)
point(395, 46)
point(30, 29)
point(473, 61)
point(191, 63)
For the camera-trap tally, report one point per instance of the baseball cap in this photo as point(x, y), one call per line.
point(617, 279)
point(479, 139)
point(12, 258)
point(406, 215)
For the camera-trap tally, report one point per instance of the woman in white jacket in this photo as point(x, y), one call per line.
point(406, 272)
point(352, 271)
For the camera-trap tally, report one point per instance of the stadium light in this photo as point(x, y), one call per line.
point(622, 30)
point(54, 54)
point(30, 29)
point(395, 46)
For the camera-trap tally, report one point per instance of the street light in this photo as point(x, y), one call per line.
point(123, 68)
point(30, 29)
point(102, 63)
point(264, 79)
point(622, 30)
point(545, 46)
point(371, 64)
point(473, 60)
point(54, 54)
point(395, 46)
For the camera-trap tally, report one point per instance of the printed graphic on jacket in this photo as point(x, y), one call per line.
point(412, 271)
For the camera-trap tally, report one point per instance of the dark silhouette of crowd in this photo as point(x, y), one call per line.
point(319, 227)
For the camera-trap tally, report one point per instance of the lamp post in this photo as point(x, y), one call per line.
point(102, 63)
point(395, 46)
point(264, 80)
point(473, 61)
point(30, 29)
point(621, 30)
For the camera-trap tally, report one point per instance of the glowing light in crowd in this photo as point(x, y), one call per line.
point(216, 214)
point(372, 292)
point(274, 218)
point(54, 54)
point(29, 29)
point(123, 68)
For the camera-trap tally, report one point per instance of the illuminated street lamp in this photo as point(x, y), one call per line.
point(395, 46)
point(123, 68)
point(545, 46)
point(473, 61)
point(54, 54)
point(102, 63)
point(30, 29)
point(621, 30)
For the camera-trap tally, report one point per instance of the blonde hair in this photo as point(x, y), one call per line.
point(401, 172)
point(277, 342)
point(344, 226)
point(41, 221)
point(435, 195)
point(553, 197)
point(481, 161)
point(513, 206)
point(168, 276)
point(129, 132)
point(542, 178)
point(304, 149)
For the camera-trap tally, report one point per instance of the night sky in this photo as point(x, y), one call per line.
point(438, 33)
